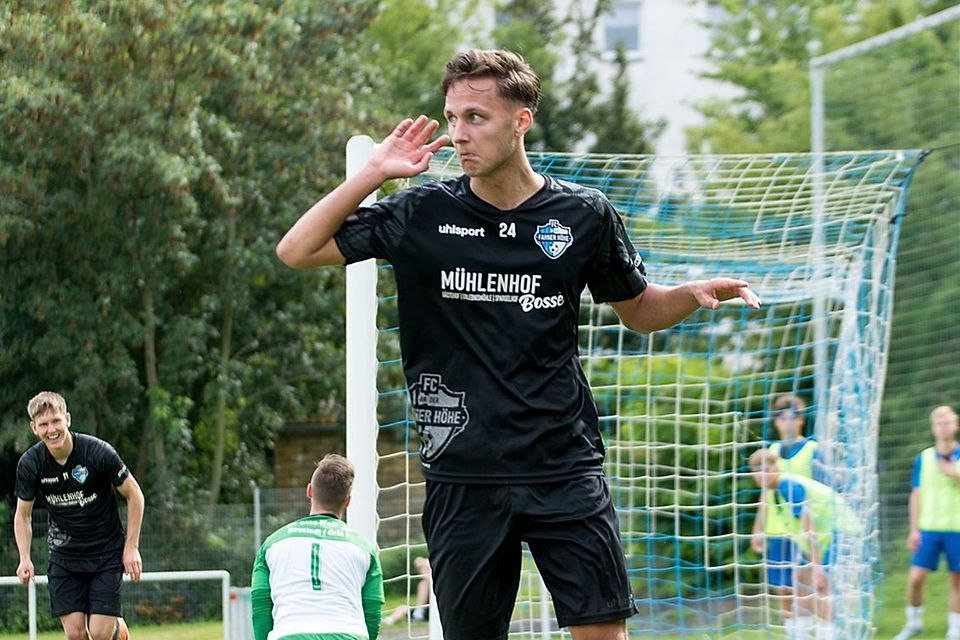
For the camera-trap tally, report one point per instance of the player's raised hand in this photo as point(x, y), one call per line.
point(25, 571)
point(406, 152)
point(710, 293)
point(132, 563)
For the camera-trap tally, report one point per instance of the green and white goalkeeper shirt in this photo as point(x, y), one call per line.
point(314, 578)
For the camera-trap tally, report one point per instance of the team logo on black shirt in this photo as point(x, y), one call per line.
point(441, 414)
point(80, 473)
point(553, 238)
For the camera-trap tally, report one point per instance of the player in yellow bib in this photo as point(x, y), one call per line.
point(814, 517)
point(800, 456)
point(935, 521)
point(315, 578)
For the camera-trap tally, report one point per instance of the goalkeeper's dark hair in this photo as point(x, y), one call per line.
point(332, 482)
point(515, 79)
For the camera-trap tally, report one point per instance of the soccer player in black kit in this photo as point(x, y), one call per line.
point(89, 551)
point(489, 269)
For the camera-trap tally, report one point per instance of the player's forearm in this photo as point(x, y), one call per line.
point(658, 308)
point(372, 615)
point(23, 534)
point(135, 507)
point(760, 520)
point(261, 609)
point(810, 531)
point(914, 510)
point(306, 244)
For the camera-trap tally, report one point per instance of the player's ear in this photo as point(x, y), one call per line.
point(347, 503)
point(524, 120)
point(68, 418)
point(310, 491)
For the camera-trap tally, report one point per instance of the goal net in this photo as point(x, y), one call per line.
point(682, 409)
point(902, 89)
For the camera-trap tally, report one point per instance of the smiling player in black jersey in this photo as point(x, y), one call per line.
point(489, 269)
point(89, 551)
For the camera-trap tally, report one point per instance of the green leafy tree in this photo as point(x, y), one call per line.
point(762, 49)
point(574, 111)
point(406, 47)
point(618, 129)
point(152, 154)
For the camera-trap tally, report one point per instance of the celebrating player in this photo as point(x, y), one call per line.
point(490, 267)
point(315, 578)
point(935, 521)
point(816, 518)
point(89, 552)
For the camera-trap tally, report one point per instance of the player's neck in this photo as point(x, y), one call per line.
point(946, 447)
point(509, 186)
point(62, 454)
point(327, 513)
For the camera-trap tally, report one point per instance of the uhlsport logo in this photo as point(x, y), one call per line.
point(441, 414)
point(80, 473)
point(463, 232)
point(553, 238)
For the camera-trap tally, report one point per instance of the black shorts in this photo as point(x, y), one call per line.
point(90, 586)
point(474, 535)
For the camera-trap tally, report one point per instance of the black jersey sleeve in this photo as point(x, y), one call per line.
point(617, 272)
point(110, 463)
point(28, 476)
point(376, 231)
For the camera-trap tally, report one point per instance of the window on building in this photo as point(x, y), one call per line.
point(622, 25)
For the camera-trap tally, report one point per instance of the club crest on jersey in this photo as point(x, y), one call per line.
point(553, 238)
point(80, 473)
point(440, 413)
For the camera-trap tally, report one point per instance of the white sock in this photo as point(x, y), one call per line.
point(914, 617)
point(953, 624)
point(825, 630)
point(798, 628)
point(805, 623)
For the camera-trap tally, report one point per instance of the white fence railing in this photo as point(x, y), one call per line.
point(152, 576)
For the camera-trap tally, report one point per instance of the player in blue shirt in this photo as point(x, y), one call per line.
point(935, 521)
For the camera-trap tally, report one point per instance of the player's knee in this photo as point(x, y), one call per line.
point(101, 634)
point(600, 631)
point(75, 632)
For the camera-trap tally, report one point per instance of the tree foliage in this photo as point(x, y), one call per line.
point(152, 154)
point(902, 95)
point(575, 113)
point(763, 48)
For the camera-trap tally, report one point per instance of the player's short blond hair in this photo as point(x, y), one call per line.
point(332, 482)
point(46, 401)
point(763, 459)
point(943, 411)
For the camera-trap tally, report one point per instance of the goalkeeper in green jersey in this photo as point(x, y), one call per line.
point(315, 578)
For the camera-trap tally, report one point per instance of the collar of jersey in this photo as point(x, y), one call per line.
point(462, 188)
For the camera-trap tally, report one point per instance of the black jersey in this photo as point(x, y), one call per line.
point(489, 306)
point(80, 496)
